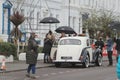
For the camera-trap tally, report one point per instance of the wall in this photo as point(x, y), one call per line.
point(1, 1)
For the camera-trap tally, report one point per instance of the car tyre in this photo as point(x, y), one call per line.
point(86, 62)
point(73, 64)
point(99, 60)
point(57, 64)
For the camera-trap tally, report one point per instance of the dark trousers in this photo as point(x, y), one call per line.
point(118, 53)
point(31, 67)
point(46, 57)
point(110, 57)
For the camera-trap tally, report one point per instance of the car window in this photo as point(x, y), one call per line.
point(70, 42)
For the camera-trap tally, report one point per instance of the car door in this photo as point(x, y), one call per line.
point(89, 49)
point(54, 49)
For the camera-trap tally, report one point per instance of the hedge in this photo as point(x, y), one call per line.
point(25, 49)
point(8, 49)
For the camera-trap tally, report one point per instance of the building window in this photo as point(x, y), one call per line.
point(22, 11)
point(56, 25)
point(38, 13)
point(73, 22)
point(79, 24)
point(74, 1)
point(81, 2)
point(23, 24)
point(89, 2)
point(69, 1)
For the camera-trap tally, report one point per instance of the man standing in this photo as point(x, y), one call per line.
point(109, 45)
point(99, 43)
point(48, 42)
point(118, 48)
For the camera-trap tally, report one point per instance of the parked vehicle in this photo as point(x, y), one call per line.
point(76, 50)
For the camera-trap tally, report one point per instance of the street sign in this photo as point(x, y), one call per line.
point(23, 38)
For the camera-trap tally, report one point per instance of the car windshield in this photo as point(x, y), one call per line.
point(70, 42)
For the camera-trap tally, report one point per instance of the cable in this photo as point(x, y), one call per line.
point(48, 6)
point(22, 4)
point(31, 5)
point(29, 21)
point(18, 5)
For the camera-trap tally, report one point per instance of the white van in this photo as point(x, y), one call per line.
point(76, 50)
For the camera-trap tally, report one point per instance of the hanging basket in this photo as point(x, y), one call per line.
point(17, 19)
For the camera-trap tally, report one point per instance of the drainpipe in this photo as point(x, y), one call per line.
point(9, 26)
point(2, 18)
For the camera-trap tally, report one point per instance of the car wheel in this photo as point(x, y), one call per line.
point(73, 64)
point(57, 64)
point(99, 60)
point(87, 61)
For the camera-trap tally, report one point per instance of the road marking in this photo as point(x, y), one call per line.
point(37, 76)
point(45, 75)
point(53, 73)
point(74, 70)
point(68, 71)
point(27, 79)
point(60, 72)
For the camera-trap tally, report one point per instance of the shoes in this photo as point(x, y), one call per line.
point(33, 76)
point(110, 65)
point(27, 75)
point(44, 62)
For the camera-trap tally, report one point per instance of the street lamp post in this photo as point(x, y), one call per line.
point(69, 13)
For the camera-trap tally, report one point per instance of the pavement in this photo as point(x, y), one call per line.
point(21, 65)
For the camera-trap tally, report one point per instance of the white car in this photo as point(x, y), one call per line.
point(76, 50)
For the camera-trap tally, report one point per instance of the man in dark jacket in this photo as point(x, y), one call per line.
point(48, 42)
point(31, 56)
point(118, 48)
point(99, 43)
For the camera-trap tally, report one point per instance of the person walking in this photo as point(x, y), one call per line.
point(109, 45)
point(31, 56)
point(48, 42)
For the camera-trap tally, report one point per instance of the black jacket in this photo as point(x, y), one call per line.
point(47, 45)
point(99, 44)
point(118, 44)
point(32, 52)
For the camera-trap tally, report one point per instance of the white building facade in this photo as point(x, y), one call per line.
point(68, 12)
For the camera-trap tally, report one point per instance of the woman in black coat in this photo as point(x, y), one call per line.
point(48, 42)
point(31, 56)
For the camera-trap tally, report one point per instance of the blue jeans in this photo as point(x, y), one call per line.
point(31, 67)
point(46, 57)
